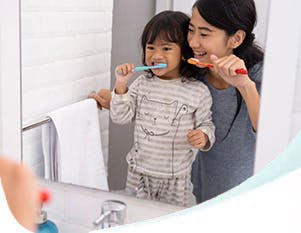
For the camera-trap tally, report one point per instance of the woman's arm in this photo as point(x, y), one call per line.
point(225, 68)
point(252, 99)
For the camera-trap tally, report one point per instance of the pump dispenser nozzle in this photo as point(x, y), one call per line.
point(45, 225)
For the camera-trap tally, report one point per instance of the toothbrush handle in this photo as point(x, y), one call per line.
point(141, 68)
point(136, 69)
point(241, 71)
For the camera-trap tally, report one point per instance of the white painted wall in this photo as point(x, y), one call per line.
point(280, 104)
point(260, 30)
point(10, 121)
point(296, 113)
point(66, 54)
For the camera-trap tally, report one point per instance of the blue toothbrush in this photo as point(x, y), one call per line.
point(159, 66)
point(141, 68)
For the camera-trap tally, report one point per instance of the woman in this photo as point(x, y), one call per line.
point(220, 32)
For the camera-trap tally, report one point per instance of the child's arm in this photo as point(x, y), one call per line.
point(123, 74)
point(202, 137)
point(123, 102)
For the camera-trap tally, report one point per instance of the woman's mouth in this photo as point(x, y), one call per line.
point(199, 54)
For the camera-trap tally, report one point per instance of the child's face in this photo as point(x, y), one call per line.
point(161, 51)
point(205, 39)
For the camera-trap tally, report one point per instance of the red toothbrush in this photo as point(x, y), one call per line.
point(195, 61)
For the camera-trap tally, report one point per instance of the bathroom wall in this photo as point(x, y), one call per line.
point(1, 113)
point(10, 141)
point(66, 54)
point(296, 111)
point(280, 113)
point(125, 48)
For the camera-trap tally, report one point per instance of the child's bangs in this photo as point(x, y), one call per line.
point(162, 32)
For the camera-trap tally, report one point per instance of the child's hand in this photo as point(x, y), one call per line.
point(124, 72)
point(226, 66)
point(197, 138)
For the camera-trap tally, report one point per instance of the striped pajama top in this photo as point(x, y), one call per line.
point(163, 112)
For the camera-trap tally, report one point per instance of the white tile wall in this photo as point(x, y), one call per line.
point(66, 54)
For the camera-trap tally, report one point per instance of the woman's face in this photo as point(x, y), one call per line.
point(205, 39)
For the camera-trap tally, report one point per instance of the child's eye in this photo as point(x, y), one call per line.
point(166, 48)
point(149, 47)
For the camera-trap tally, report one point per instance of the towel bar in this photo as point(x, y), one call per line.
point(41, 122)
point(36, 124)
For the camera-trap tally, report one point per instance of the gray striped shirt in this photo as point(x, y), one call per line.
point(163, 111)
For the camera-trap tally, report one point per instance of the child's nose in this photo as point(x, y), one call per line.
point(157, 54)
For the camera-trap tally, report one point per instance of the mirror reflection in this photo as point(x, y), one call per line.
point(71, 50)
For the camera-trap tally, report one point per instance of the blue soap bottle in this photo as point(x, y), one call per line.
point(45, 225)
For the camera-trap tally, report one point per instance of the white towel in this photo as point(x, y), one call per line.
point(72, 146)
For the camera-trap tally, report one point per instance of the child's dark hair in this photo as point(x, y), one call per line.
point(171, 26)
point(231, 16)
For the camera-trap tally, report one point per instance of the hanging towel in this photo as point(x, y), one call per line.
point(72, 146)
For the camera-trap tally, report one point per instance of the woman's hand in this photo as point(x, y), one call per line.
point(103, 98)
point(226, 66)
point(197, 138)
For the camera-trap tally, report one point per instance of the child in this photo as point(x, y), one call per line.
point(166, 104)
point(220, 32)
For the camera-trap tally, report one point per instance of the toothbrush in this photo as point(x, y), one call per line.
point(141, 68)
point(195, 61)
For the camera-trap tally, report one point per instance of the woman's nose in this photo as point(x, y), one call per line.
point(193, 41)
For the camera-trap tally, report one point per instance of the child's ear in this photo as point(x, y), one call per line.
point(237, 39)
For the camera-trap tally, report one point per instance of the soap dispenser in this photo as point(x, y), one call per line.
point(43, 224)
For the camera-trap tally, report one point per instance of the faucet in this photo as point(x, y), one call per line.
point(112, 214)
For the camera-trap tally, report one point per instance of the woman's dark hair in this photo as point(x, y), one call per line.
point(171, 26)
point(231, 16)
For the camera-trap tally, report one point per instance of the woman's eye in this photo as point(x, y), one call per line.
point(204, 35)
point(190, 29)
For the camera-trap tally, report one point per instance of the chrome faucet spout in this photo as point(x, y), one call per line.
point(99, 221)
point(112, 214)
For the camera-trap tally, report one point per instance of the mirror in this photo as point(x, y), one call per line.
point(69, 50)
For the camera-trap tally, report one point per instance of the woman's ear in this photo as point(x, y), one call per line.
point(237, 39)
